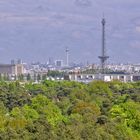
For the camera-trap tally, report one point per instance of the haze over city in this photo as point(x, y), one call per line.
point(35, 30)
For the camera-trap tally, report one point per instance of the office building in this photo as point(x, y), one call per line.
point(59, 63)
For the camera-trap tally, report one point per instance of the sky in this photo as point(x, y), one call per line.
point(35, 30)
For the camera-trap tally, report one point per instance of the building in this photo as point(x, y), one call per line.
point(59, 63)
point(12, 69)
point(86, 78)
point(7, 69)
point(19, 69)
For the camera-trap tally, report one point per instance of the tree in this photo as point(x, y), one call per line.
point(38, 77)
point(128, 113)
point(6, 77)
point(89, 111)
point(100, 87)
point(28, 77)
point(1, 77)
point(30, 113)
point(44, 77)
point(21, 77)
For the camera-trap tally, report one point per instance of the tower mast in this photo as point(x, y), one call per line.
point(67, 56)
point(103, 56)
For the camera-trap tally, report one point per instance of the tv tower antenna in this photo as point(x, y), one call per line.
point(103, 57)
point(67, 56)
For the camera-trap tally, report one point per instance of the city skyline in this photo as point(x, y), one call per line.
point(35, 31)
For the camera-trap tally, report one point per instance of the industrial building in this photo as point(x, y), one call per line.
point(87, 78)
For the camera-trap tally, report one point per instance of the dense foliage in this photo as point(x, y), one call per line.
point(70, 111)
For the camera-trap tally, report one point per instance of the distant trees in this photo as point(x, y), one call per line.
point(55, 73)
point(28, 77)
point(44, 77)
point(39, 77)
point(21, 77)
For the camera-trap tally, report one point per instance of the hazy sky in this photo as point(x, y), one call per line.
point(35, 30)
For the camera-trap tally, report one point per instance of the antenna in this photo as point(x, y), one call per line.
point(103, 56)
point(67, 56)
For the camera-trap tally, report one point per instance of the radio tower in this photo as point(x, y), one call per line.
point(103, 57)
point(67, 57)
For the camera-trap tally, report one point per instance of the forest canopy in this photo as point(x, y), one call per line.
point(70, 111)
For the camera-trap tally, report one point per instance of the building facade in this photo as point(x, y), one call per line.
point(12, 69)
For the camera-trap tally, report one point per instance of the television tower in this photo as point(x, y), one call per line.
point(103, 56)
point(67, 56)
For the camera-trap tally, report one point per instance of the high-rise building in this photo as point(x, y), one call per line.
point(12, 62)
point(51, 62)
point(19, 61)
point(59, 63)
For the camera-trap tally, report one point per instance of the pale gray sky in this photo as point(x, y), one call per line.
point(35, 30)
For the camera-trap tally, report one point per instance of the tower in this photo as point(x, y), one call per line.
point(67, 57)
point(12, 61)
point(103, 56)
point(19, 61)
